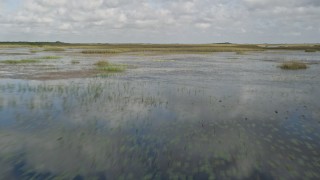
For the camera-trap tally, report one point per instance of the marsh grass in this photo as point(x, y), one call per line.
point(22, 61)
point(167, 48)
point(114, 68)
point(102, 63)
point(293, 65)
point(49, 57)
point(310, 50)
point(104, 51)
point(100, 48)
point(54, 49)
point(34, 51)
point(26, 61)
point(162, 60)
point(240, 52)
point(105, 66)
point(75, 62)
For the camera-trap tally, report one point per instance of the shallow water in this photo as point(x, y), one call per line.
point(203, 116)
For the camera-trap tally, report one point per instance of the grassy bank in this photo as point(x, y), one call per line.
point(98, 48)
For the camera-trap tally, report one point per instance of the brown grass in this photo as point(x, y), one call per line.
point(293, 65)
point(102, 63)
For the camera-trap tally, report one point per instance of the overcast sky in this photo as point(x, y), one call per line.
point(161, 21)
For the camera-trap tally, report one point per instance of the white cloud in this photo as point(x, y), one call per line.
point(65, 26)
point(203, 25)
point(154, 20)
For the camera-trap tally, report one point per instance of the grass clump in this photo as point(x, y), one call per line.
point(102, 63)
point(103, 51)
point(240, 52)
point(54, 49)
point(26, 61)
point(75, 62)
point(116, 68)
point(161, 60)
point(310, 50)
point(105, 66)
point(23, 61)
point(49, 57)
point(293, 65)
point(34, 51)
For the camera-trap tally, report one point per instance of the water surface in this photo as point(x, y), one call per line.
point(202, 116)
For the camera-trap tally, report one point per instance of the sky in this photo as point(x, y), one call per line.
point(161, 21)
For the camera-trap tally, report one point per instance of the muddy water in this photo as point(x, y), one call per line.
point(207, 116)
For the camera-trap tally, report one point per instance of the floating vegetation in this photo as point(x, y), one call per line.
point(22, 61)
point(293, 65)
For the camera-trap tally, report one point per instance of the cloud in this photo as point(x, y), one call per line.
point(203, 25)
point(283, 3)
point(162, 20)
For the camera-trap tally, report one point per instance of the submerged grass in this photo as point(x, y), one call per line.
point(293, 65)
point(22, 61)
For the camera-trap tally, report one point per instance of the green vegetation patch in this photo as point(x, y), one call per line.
point(240, 52)
point(34, 51)
point(25, 61)
point(104, 51)
point(54, 49)
point(310, 50)
point(105, 66)
point(293, 65)
point(102, 63)
point(113, 68)
point(22, 61)
point(162, 60)
point(75, 62)
point(49, 57)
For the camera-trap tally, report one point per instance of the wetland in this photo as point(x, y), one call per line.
point(128, 111)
